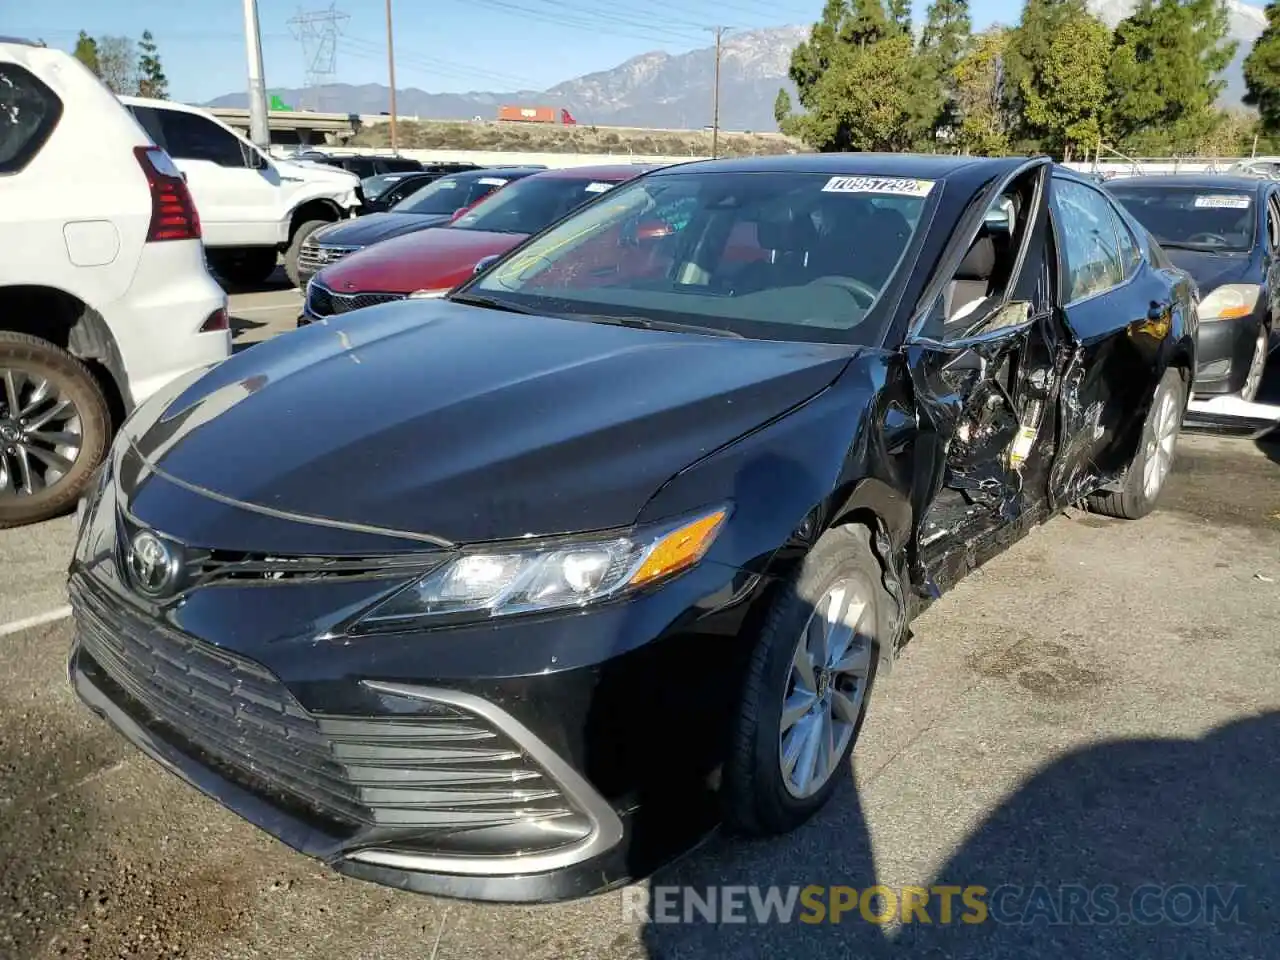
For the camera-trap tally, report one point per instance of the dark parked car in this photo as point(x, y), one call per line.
point(362, 164)
point(384, 191)
point(431, 206)
point(1225, 232)
point(613, 541)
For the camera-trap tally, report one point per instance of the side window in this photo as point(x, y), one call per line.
point(149, 119)
point(1088, 239)
point(189, 136)
point(1273, 221)
point(28, 113)
point(1130, 254)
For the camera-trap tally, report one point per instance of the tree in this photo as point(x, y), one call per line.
point(782, 108)
point(86, 51)
point(1262, 72)
point(116, 65)
point(1165, 74)
point(980, 101)
point(151, 79)
point(859, 80)
point(944, 40)
point(1064, 98)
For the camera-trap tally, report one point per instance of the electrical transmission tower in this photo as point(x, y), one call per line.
point(317, 31)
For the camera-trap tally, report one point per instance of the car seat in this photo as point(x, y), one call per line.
point(972, 282)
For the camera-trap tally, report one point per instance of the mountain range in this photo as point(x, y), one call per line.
point(674, 91)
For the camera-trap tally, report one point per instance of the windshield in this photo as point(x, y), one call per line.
point(765, 255)
point(1193, 218)
point(446, 195)
point(529, 205)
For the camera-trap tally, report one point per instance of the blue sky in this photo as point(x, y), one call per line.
point(443, 46)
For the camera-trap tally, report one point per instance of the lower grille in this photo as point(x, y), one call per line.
point(323, 302)
point(450, 772)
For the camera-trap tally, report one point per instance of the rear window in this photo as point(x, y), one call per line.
point(394, 165)
point(28, 113)
point(1192, 218)
point(447, 194)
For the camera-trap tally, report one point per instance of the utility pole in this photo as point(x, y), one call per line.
point(391, 68)
point(715, 96)
point(259, 131)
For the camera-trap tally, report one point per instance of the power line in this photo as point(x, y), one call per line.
point(366, 49)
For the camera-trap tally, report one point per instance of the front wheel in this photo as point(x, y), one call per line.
point(807, 686)
point(295, 248)
point(54, 429)
point(1257, 365)
point(1145, 479)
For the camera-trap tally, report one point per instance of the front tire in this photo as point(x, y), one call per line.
point(1147, 474)
point(807, 687)
point(295, 249)
point(55, 428)
point(1257, 365)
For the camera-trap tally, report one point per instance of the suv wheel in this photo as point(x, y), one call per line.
point(807, 686)
point(295, 248)
point(54, 429)
point(243, 266)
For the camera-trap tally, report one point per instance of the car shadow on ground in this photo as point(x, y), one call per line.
point(1134, 848)
point(276, 282)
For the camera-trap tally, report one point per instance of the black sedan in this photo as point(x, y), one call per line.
point(524, 589)
point(1225, 232)
point(432, 206)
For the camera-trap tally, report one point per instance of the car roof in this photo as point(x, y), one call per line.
point(510, 173)
point(610, 172)
point(1196, 181)
point(923, 166)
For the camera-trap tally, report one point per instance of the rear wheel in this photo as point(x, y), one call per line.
point(1257, 365)
point(55, 427)
point(244, 266)
point(295, 248)
point(807, 687)
point(1150, 467)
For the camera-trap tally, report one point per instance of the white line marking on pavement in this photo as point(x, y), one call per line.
point(290, 305)
point(39, 620)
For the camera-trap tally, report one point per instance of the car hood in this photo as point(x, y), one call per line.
point(313, 172)
point(1211, 270)
point(375, 227)
point(468, 424)
point(427, 260)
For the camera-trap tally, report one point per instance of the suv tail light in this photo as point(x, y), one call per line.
point(173, 212)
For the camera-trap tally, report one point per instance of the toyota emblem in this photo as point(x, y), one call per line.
point(153, 565)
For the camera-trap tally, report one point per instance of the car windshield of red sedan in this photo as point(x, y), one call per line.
point(528, 206)
point(777, 256)
point(446, 195)
point(1190, 217)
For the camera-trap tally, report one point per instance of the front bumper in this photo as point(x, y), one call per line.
point(1224, 349)
point(525, 762)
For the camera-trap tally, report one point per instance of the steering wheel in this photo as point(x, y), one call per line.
point(860, 290)
point(1206, 237)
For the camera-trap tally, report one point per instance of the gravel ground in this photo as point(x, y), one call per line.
point(1099, 705)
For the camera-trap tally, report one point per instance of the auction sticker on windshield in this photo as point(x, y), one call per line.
point(898, 186)
point(490, 182)
point(1227, 202)
point(598, 187)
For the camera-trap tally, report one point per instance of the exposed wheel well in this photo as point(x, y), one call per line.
point(67, 322)
point(314, 210)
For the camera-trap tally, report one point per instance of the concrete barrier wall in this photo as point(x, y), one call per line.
point(509, 158)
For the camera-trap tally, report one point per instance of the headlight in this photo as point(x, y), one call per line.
point(429, 294)
point(548, 575)
point(1229, 301)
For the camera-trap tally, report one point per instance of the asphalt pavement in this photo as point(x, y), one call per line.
point(1100, 705)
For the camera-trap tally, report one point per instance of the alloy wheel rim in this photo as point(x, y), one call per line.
point(1159, 448)
point(1253, 380)
point(40, 434)
point(826, 685)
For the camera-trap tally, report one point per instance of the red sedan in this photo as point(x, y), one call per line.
point(432, 262)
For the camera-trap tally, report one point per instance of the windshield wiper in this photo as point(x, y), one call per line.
point(644, 323)
point(493, 303)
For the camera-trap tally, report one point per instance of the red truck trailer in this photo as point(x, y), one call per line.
point(535, 115)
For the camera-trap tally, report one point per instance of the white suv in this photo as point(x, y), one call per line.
point(104, 292)
point(252, 206)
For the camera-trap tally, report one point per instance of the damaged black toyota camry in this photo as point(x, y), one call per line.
point(515, 594)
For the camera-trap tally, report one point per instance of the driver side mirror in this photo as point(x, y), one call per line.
point(252, 158)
